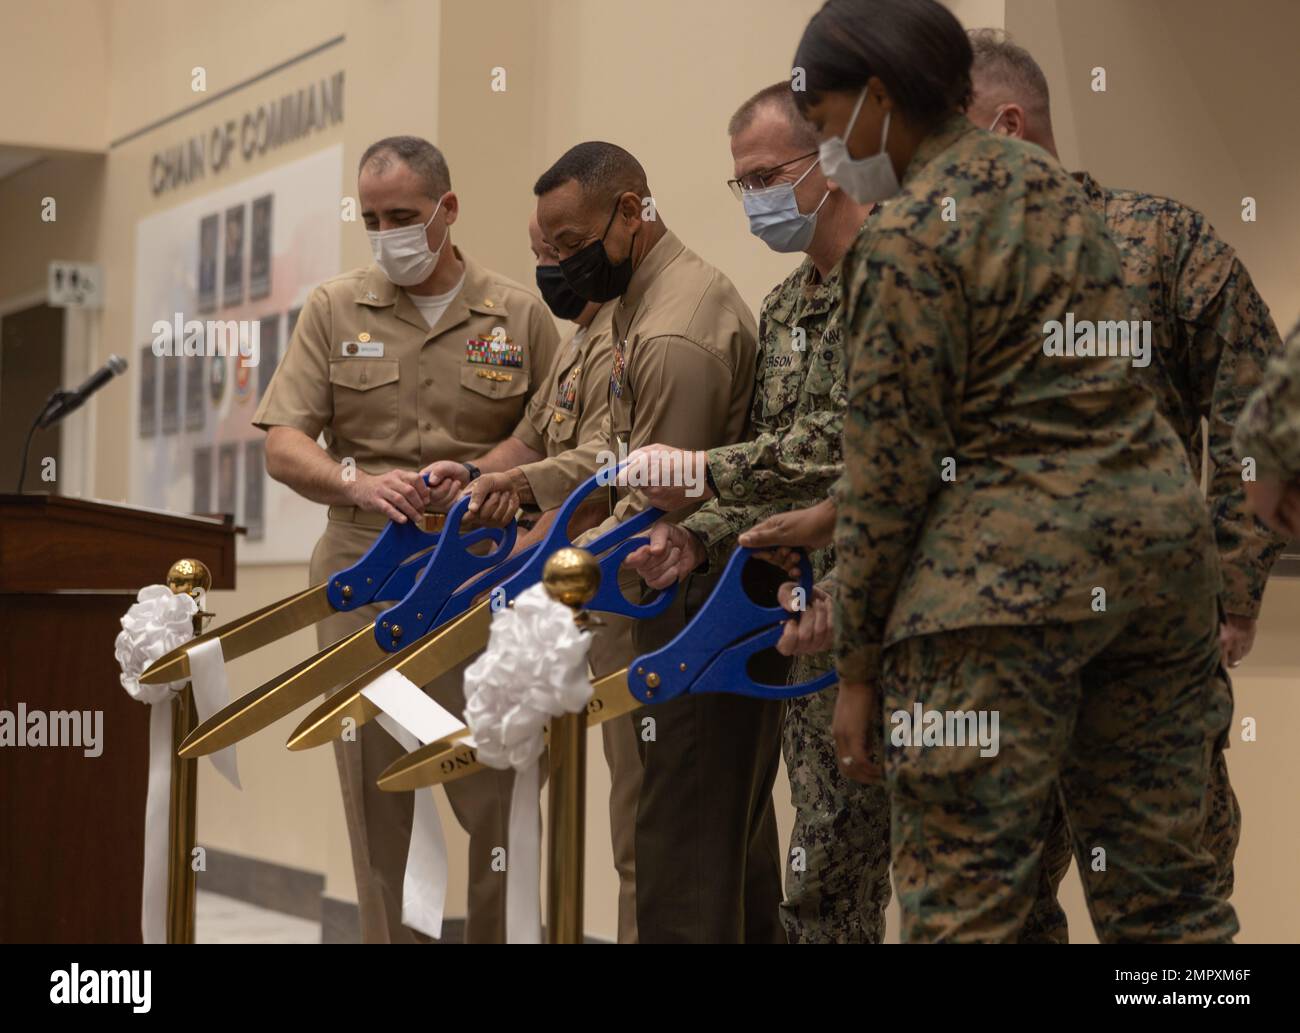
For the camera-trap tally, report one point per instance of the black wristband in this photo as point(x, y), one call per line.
point(474, 472)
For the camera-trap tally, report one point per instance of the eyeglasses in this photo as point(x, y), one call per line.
point(759, 179)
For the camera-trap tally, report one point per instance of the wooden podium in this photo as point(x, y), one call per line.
point(72, 826)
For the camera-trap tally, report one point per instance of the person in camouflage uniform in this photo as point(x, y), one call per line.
point(1019, 537)
point(1268, 437)
point(1212, 337)
point(837, 867)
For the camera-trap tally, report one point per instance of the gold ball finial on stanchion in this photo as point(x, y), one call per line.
point(191, 577)
point(571, 576)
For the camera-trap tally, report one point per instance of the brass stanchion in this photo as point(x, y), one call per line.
point(188, 576)
point(571, 577)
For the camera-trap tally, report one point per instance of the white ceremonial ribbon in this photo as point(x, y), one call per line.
point(211, 693)
point(413, 718)
point(534, 669)
point(158, 622)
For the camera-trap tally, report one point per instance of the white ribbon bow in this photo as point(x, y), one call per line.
point(158, 622)
point(534, 669)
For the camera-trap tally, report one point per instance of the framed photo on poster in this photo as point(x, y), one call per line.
point(228, 479)
point(232, 290)
point(171, 392)
point(202, 503)
point(196, 396)
point(259, 260)
point(209, 246)
point(148, 392)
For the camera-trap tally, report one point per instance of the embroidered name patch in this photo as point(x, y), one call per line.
point(494, 351)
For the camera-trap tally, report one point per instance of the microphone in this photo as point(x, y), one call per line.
point(65, 402)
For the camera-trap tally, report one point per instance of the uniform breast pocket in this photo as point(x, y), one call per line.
point(366, 399)
point(823, 370)
point(561, 426)
point(780, 389)
point(490, 403)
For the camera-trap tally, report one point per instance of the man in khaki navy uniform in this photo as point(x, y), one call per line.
point(707, 858)
point(424, 355)
point(552, 451)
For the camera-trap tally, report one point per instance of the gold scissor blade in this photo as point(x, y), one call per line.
point(449, 759)
point(284, 694)
point(244, 634)
point(421, 662)
point(326, 722)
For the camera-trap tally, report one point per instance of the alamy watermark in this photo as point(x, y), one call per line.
point(922, 727)
point(80, 729)
point(1085, 338)
point(194, 337)
point(102, 986)
point(678, 468)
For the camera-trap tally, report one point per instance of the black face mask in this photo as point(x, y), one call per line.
point(560, 298)
point(592, 275)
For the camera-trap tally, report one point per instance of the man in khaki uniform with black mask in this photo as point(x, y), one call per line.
point(707, 859)
point(552, 451)
point(423, 355)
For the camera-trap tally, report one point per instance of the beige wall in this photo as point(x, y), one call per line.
point(1196, 109)
point(56, 63)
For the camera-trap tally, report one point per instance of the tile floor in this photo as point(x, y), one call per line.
point(226, 920)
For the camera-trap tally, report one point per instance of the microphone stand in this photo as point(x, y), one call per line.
point(57, 396)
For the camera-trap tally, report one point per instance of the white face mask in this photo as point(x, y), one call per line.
point(997, 120)
point(866, 180)
point(403, 254)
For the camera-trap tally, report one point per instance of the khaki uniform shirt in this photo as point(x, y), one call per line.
point(988, 479)
point(682, 374)
point(685, 350)
point(390, 391)
point(564, 419)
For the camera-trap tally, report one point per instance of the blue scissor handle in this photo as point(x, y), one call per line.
point(726, 616)
point(463, 599)
point(387, 557)
point(611, 599)
point(360, 583)
point(446, 570)
point(730, 671)
point(402, 579)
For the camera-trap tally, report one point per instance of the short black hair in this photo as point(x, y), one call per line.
point(779, 96)
point(599, 168)
point(424, 159)
point(917, 48)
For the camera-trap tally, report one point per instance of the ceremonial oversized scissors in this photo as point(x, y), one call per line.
point(711, 654)
point(387, 571)
point(425, 586)
point(463, 629)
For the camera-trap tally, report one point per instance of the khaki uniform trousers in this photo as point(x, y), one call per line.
point(379, 823)
point(708, 853)
point(611, 649)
